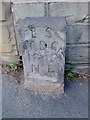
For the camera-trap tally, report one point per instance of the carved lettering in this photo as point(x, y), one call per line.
point(44, 56)
point(53, 58)
point(33, 30)
point(48, 29)
point(50, 70)
point(43, 45)
point(35, 68)
point(41, 57)
point(54, 45)
point(32, 45)
point(35, 56)
point(29, 56)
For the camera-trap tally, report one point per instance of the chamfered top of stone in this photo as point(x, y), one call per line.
point(55, 22)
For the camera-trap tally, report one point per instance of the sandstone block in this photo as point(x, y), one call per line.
point(74, 10)
point(42, 43)
point(22, 10)
point(78, 53)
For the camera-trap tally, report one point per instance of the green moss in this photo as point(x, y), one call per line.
point(70, 75)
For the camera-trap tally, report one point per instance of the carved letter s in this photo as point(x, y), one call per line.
point(48, 31)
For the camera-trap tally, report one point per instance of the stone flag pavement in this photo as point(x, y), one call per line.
point(18, 102)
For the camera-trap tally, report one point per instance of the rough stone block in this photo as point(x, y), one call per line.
point(8, 49)
point(7, 39)
point(77, 53)
point(2, 12)
point(42, 43)
point(5, 34)
point(20, 10)
point(74, 10)
point(77, 33)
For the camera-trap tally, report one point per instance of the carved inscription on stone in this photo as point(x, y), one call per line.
point(43, 46)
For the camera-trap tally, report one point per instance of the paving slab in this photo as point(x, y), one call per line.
point(21, 103)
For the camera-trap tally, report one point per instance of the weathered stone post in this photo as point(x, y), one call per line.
point(42, 42)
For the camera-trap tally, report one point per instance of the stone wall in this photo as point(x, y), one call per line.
point(77, 36)
point(8, 49)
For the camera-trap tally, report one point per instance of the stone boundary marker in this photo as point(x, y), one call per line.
point(42, 43)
